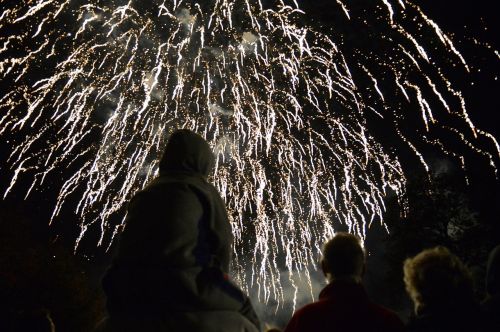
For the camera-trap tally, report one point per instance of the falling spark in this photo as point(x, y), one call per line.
point(95, 88)
point(344, 8)
point(391, 11)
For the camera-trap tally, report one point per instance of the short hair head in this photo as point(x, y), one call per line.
point(435, 277)
point(343, 256)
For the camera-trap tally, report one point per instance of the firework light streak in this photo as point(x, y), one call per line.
point(276, 100)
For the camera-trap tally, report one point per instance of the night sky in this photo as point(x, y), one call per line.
point(24, 223)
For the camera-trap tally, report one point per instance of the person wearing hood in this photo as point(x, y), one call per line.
point(171, 269)
point(491, 305)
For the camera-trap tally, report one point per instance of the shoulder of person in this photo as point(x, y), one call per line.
point(390, 318)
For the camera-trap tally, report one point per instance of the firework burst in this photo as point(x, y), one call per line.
point(97, 86)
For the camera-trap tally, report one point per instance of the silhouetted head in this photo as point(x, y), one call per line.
point(493, 273)
point(187, 153)
point(437, 279)
point(343, 257)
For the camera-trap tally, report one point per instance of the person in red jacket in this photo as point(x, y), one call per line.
point(343, 304)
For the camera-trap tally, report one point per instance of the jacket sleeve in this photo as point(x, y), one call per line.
point(248, 311)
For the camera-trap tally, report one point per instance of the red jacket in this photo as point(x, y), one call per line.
point(344, 306)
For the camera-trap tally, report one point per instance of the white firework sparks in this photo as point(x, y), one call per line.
point(97, 86)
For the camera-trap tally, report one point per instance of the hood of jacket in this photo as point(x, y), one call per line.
point(187, 153)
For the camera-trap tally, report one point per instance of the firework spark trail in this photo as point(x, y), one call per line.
point(276, 99)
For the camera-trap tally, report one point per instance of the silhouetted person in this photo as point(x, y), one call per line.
point(343, 304)
point(170, 272)
point(491, 305)
point(441, 289)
